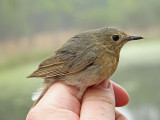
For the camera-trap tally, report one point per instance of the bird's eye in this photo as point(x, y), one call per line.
point(115, 37)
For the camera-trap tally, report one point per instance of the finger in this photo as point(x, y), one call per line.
point(62, 96)
point(59, 102)
point(119, 116)
point(121, 96)
point(98, 103)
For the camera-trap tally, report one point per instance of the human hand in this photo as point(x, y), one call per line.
point(98, 103)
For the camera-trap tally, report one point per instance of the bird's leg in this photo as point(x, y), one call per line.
point(81, 92)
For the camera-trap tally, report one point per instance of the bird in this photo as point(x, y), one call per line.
point(86, 59)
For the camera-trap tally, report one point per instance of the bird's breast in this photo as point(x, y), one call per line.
point(107, 65)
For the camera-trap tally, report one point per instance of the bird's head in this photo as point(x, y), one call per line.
point(113, 38)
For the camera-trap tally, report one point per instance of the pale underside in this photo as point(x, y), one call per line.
point(78, 64)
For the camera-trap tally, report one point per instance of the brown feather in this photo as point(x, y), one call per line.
point(56, 66)
point(47, 84)
point(84, 60)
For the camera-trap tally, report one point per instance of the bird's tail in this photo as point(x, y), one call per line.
point(47, 84)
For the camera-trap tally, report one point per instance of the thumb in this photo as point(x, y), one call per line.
point(99, 103)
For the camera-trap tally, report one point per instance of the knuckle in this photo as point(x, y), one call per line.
point(106, 99)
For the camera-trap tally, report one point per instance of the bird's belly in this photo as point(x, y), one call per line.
point(87, 77)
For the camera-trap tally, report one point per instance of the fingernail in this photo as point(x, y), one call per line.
point(108, 84)
point(104, 85)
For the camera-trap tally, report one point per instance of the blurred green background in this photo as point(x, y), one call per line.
point(31, 30)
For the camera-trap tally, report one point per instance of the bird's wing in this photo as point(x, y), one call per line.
point(64, 63)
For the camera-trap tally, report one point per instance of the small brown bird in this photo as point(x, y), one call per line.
point(84, 60)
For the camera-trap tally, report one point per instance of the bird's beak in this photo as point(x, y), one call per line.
point(134, 38)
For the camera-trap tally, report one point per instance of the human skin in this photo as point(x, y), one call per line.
point(86, 59)
point(98, 103)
